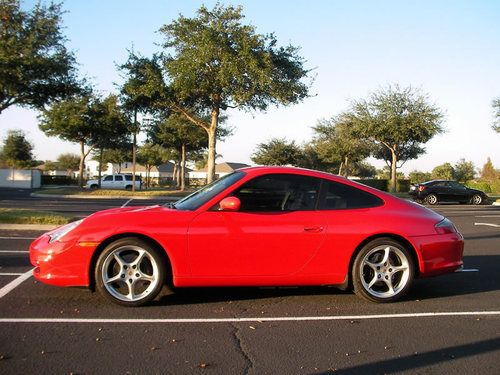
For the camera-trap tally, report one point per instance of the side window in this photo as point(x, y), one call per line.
point(128, 177)
point(279, 192)
point(118, 178)
point(108, 178)
point(339, 196)
point(440, 184)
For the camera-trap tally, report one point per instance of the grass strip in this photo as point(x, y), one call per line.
point(21, 216)
point(115, 193)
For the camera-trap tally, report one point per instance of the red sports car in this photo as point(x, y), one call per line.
point(260, 226)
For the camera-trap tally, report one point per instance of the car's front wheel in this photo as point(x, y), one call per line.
point(130, 272)
point(431, 199)
point(476, 199)
point(383, 271)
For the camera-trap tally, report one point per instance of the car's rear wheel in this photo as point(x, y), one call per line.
point(94, 186)
point(476, 199)
point(128, 187)
point(130, 272)
point(431, 199)
point(383, 271)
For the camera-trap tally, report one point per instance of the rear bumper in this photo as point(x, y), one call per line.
point(59, 263)
point(440, 253)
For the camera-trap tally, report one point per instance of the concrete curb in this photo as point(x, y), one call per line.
point(45, 227)
point(173, 199)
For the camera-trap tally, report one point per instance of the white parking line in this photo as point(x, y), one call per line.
point(488, 225)
point(256, 319)
point(14, 251)
point(488, 216)
point(11, 273)
point(15, 283)
point(17, 238)
point(127, 202)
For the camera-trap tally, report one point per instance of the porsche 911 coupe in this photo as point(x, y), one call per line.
point(258, 226)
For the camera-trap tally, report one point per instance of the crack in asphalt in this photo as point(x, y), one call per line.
point(249, 362)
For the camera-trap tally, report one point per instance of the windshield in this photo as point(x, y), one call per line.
point(200, 197)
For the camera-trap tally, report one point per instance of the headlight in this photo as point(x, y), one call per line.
point(64, 230)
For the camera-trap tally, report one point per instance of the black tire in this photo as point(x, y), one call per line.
point(130, 265)
point(476, 199)
point(431, 199)
point(398, 271)
point(94, 186)
point(128, 187)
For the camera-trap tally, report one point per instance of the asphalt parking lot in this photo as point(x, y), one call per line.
point(448, 323)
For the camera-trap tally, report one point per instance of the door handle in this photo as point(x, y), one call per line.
point(313, 229)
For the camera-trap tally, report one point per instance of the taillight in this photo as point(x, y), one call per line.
point(421, 188)
point(445, 226)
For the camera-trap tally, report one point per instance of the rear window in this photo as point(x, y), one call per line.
point(339, 196)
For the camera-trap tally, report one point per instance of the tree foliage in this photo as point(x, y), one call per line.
point(217, 62)
point(151, 155)
point(488, 172)
point(399, 119)
point(278, 151)
point(496, 121)
point(337, 143)
point(35, 66)
point(417, 177)
point(17, 151)
point(86, 120)
point(464, 170)
point(443, 172)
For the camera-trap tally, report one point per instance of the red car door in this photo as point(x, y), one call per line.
point(232, 244)
point(275, 233)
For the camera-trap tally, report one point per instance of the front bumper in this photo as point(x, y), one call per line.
point(61, 263)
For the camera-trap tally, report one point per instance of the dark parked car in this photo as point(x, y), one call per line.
point(432, 192)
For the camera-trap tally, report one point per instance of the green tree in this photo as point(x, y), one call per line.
point(219, 63)
point(443, 172)
point(117, 155)
point(68, 161)
point(35, 66)
point(464, 170)
point(496, 122)
point(337, 143)
point(17, 151)
point(50, 165)
point(488, 173)
point(417, 177)
point(151, 155)
point(399, 119)
point(278, 151)
point(112, 127)
point(141, 91)
point(86, 120)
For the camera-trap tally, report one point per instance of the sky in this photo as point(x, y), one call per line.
point(450, 50)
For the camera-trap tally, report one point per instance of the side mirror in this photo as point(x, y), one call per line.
point(230, 204)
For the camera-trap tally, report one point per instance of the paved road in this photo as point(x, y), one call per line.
point(20, 198)
point(255, 330)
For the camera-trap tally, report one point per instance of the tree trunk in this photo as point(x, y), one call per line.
point(134, 151)
point(100, 168)
point(340, 168)
point(183, 167)
point(212, 139)
point(346, 171)
point(82, 163)
point(393, 170)
point(178, 173)
point(174, 173)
